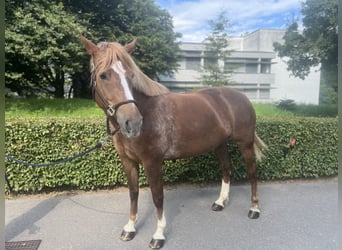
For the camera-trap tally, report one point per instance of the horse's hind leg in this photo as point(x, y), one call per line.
point(225, 163)
point(248, 155)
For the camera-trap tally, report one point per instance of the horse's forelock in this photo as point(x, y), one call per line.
point(109, 54)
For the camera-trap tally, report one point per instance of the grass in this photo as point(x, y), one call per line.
point(51, 108)
point(88, 108)
point(270, 110)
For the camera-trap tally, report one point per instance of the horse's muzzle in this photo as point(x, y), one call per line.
point(130, 125)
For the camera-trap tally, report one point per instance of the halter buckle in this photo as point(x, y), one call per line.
point(111, 111)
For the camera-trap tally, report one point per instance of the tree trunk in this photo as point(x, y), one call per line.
point(80, 85)
point(59, 84)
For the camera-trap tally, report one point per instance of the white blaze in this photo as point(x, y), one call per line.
point(118, 68)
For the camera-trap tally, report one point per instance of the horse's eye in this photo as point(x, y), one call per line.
point(103, 76)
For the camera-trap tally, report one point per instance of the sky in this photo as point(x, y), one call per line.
point(190, 17)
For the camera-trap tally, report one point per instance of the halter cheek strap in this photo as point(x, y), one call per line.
point(111, 110)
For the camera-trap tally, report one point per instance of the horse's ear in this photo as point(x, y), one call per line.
point(130, 47)
point(89, 46)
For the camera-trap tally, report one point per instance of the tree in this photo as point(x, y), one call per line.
point(157, 50)
point(42, 47)
point(123, 20)
point(43, 50)
point(213, 73)
point(315, 45)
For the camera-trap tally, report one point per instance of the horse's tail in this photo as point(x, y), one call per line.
point(259, 146)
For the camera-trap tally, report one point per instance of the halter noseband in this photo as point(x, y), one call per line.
point(111, 110)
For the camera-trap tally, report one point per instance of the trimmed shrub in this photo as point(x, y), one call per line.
point(287, 104)
point(298, 148)
point(324, 110)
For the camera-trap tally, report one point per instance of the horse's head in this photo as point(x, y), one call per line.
point(111, 74)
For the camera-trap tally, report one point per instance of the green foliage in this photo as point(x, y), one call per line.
point(313, 154)
point(52, 108)
point(263, 110)
point(46, 108)
point(46, 140)
point(317, 44)
point(156, 51)
point(287, 104)
point(43, 49)
point(122, 21)
point(327, 95)
point(298, 148)
point(322, 110)
point(216, 44)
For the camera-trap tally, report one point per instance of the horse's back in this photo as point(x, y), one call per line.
point(234, 104)
point(236, 110)
point(230, 96)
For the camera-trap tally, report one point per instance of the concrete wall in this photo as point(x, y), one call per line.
point(289, 87)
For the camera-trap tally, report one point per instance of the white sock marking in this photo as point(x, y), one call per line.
point(159, 234)
point(118, 68)
point(224, 194)
point(130, 226)
point(255, 209)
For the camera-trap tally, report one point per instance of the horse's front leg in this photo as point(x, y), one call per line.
point(155, 178)
point(132, 172)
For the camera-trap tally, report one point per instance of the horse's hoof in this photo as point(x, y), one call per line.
point(127, 236)
point(254, 213)
point(156, 244)
point(216, 207)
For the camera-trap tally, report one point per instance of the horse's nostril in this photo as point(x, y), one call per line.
point(130, 127)
point(128, 124)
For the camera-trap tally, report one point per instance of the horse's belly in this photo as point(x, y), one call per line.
point(195, 143)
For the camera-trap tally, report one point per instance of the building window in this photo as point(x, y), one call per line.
point(193, 63)
point(234, 67)
point(251, 68)
point(265, 69)
point(264, 94)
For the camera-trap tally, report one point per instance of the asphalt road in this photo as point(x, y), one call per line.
point(294, 215)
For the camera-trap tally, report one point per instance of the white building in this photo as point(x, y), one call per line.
point(258, 72)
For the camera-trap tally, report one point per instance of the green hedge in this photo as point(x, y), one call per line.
point(43, 141)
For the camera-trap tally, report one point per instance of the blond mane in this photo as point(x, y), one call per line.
point(110, 52)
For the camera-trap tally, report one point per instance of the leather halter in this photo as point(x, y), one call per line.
point(110, 110)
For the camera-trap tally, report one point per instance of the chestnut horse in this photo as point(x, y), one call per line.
point(154, 125)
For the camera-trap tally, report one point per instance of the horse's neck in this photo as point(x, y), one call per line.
point(147, 86)
point(140, 97)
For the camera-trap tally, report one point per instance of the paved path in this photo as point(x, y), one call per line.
point(296, 215)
